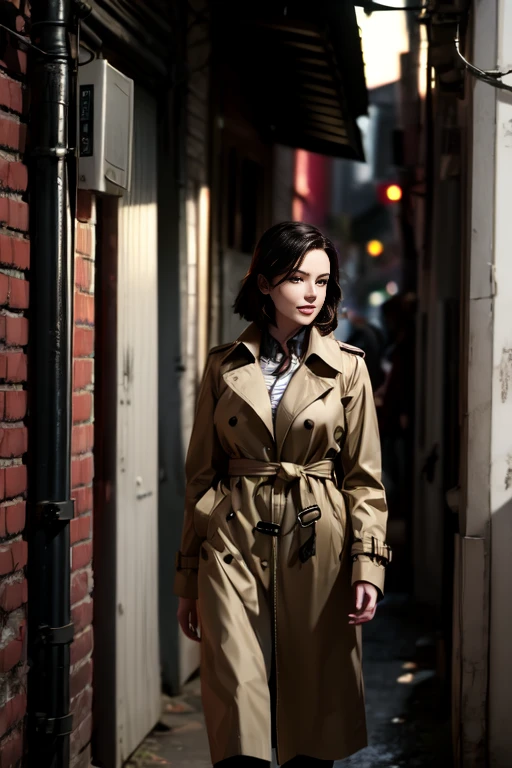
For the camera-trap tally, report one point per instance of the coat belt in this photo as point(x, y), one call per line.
point(287, 473)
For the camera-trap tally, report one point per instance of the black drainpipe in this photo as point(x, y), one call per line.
point(51, 212)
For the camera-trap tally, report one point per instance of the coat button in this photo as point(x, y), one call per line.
point(338, 433)
point(264, 564)
point(233, 421)
point(230, 515)
point(228, 559)
point(309, 424)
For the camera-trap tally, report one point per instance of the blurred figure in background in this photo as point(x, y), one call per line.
point(371, 340)
point(395, 408)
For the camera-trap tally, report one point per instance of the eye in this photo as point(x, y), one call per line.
point(295, 279)
point(323, 281)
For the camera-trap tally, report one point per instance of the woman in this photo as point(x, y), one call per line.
point(283, 541)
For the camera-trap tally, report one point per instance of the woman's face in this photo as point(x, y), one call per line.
point(299, 299)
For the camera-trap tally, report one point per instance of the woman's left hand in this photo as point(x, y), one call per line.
point(366, 603)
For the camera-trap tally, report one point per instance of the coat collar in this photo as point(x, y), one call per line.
point(241, 371)
point(325, 348)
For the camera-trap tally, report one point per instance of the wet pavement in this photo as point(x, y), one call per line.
point(407, 707)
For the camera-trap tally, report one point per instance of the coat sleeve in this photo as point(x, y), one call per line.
point(362, 483)
point(205, 460)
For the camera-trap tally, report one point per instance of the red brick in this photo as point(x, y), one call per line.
point(82, 439)
point(81, 678)
point(81, 646)
point(84, 274)
point(2, 397)
point(15, 481)
point(82, 407)
point(84, 205)
point(82, 470)
point(14, 213)
point(80, 528)
point(15, 404)
point(13, 556)
point(81, 706)
point(15, 516)
point(13, 175)
point(21, 253)
point(82, 373)
point(83, 339)
point(83, 239)
point(81, 555)
point(79, 586)
point(16, 331)
point(13, 442)
point(10, 93)
point(81, 616)
point(11, 749)
point(11, 655)
point(84, 309)
point(12, 713)
point(11, 133)
point(13, 366)
point(18, 293)
point(12, 595)
point(83, 499)
point(80, 738)
point(4, 289)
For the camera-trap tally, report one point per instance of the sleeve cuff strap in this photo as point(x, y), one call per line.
point(364, 569)
point(186, 563)
point(373, 547)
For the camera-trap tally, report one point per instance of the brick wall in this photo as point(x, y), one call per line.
point(14, 295)
point(14, 298)
point(81, 481)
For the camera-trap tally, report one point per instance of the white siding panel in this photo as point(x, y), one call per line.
point(137, 658)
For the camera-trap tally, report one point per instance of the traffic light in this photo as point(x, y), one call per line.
point(389, 193)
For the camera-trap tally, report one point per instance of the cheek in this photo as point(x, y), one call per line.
point(286, 295)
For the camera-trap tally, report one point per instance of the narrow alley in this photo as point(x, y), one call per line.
point(408, 718)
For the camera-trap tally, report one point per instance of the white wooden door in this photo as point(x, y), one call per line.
point(137, 646)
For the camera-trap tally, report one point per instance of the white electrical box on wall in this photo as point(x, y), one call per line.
point(105, 128)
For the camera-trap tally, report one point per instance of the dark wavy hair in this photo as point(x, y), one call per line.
point(280, 251)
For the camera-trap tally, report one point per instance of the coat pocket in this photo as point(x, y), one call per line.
point(206, 507)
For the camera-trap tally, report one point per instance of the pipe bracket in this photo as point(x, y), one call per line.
point(56, 635)
point(54, 726)
point(54, 511)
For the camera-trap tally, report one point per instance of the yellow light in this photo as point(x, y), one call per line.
point(374, 248)
point(394, 193)
point(392, 289)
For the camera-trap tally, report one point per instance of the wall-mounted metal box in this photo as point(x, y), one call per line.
point(105, 128)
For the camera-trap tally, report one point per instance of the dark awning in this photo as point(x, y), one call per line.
point(302, 63)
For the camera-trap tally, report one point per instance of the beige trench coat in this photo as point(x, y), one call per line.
point(275, 607)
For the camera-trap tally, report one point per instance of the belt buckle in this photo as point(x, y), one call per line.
point(312, 514)
point(270, 529)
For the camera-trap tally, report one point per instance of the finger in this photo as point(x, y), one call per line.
point(359, 596)
point(187, 627)
point(363, 617)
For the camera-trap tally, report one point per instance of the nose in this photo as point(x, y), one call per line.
point(310, 293)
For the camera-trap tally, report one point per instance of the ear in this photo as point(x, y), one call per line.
point(263, 284)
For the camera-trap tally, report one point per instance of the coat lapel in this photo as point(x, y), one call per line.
point(245, 378)
point(315, 377)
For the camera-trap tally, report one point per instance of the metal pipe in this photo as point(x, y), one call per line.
point(50, 630)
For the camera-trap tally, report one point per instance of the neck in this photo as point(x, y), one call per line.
point(283, 331)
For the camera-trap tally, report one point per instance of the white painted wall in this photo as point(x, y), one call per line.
point(137, 637)
point(500, 683)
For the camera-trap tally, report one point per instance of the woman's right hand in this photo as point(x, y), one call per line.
point(188, 618)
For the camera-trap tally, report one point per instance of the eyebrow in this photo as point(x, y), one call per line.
point(306, 274)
